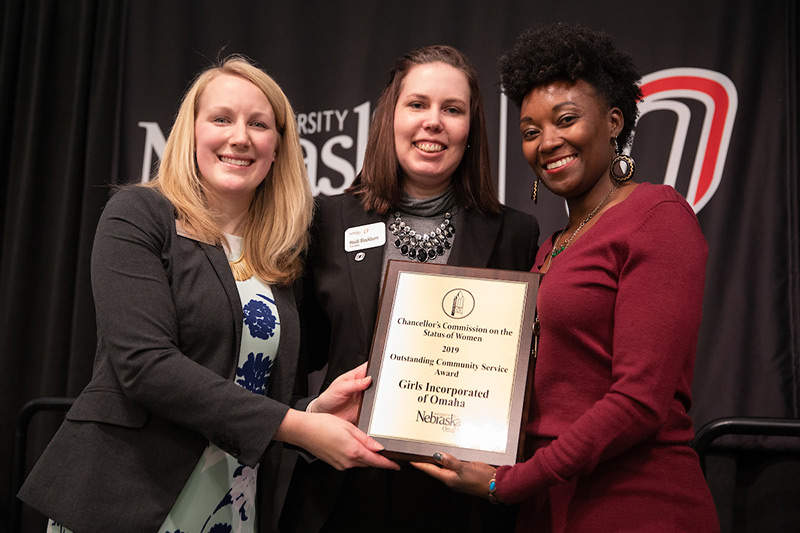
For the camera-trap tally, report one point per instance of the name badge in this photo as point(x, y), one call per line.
point(363, 237)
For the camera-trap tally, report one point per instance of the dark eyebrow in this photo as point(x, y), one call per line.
point(448, 101)
point(556, 108)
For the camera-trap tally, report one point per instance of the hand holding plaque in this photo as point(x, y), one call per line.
point(450, 361)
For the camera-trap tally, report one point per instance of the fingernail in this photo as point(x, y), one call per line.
point(437, 457)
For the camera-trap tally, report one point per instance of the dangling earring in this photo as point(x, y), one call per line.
point(622, 166)
point(535, 190)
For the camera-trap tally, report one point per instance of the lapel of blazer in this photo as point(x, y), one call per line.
point(281, 380)
point(475, 239)
point(218, 259)
point(365, 275)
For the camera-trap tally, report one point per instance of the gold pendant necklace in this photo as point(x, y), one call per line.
point(558, 249)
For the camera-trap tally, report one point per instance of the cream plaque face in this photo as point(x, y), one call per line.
point(450, 358)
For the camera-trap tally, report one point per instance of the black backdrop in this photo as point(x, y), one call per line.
point(88, 89)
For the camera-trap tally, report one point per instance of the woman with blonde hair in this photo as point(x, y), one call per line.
point(180, 428)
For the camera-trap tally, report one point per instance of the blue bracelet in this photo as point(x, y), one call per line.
point(492, 488)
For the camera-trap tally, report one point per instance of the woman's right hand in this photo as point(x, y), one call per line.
point(343, 397)
point(337, 442)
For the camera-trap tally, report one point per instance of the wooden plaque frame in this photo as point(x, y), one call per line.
point(407, 376)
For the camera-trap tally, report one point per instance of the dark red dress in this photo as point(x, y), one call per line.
point(609, 432)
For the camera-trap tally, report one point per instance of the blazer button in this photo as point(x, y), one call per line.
point(235, 451)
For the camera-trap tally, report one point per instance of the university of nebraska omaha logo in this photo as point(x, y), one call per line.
point(675, 90)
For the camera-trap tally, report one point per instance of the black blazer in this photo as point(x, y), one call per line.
point(340, 305)
point(169, 326)
point(341, 294)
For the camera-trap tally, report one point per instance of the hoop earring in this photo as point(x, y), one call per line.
point(622, 166)
point(535, 191)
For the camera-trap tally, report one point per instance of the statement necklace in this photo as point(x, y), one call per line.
point(558, 249)
point(422, 247)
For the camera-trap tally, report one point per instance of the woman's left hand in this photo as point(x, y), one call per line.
point(343, 397)
point(467, 477)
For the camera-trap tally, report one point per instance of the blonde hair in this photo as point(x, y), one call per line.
point(275, 231)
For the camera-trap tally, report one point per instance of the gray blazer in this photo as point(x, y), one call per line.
point(340, 305)
point(169, 326)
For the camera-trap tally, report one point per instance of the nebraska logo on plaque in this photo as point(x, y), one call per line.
point(450, 362)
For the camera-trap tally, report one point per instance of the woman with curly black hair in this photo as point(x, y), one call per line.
point(619, 310)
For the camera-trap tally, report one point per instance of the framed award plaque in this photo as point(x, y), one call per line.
point(451, 362)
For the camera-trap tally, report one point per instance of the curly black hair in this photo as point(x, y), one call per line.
point(544, 54)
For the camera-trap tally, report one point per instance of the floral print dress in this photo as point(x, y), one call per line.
point(220, 495)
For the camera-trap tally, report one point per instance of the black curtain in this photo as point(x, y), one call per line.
point(59, 92)
point(62, 84)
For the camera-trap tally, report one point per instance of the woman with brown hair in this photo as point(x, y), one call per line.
point(426, 189)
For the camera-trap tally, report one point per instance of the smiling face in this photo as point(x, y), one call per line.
point(431, 126)
point(567, 133)
point(236, 138)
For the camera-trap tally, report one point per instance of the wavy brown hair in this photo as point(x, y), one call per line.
point(379, 184)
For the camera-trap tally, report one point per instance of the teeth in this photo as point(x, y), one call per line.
point(559, 163)
point(429, 147)
point(237, 162)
